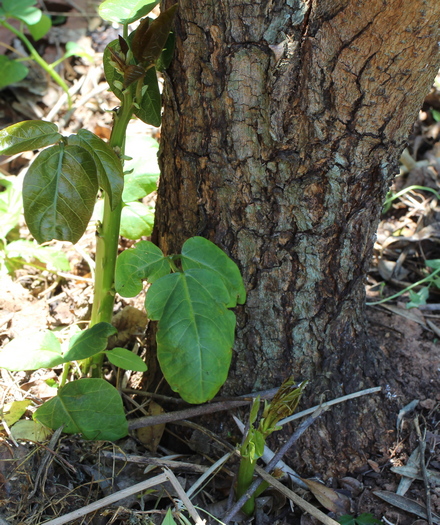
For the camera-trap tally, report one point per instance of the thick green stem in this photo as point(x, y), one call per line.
point(107, 241)
point(244, 480)
point(39, 60)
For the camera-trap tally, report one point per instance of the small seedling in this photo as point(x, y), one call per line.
point(282, 405)
point(190, 294)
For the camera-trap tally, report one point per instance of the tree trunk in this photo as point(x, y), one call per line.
point(282, 127)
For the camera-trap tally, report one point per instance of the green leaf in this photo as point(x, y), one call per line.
point(144, 261)
point(89, 342)
point(123, 358)
point(142, 171)
point(12, 72)
point(136, 220)
point(195, 331)
point(40, 350)
point(29, 250)
point(433, 263)
point(150, 38)
point(59, 193)
point(75, 50)
point(436, 115)
point(367, 519)
point(112, 75)
point(30, 430)
point(125, 11)
point(11, 206)
point(27, 136)
point(346, 519)
point(108, 165)
point(168, 520)
point(22, 10)
point(91, 407)
point(198, 252)
point(418, 298)
point(41, 28)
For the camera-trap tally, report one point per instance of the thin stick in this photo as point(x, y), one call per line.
point(422, 448)
point(185, 500)
point(159, 462)
point(212, 469)
point(305, 505)
point(184, 414)
point(331, 403)
point(121, 494)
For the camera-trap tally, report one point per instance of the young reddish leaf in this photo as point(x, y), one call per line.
point(149, 39)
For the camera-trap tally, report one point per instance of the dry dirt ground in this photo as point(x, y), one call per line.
point(44, 478)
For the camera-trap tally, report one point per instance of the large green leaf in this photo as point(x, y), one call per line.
point(125, 11)
point(89, 342)
point(12, 72)
point(23, 10)
point(91, 407)
point(29, 250)
point(108, 165)
point(144, 261)
point(149, 110)
point(27, 136)
point(195, 331)
point(136, 220)
point(40, 350)
point(198, 252)
point(59, 193)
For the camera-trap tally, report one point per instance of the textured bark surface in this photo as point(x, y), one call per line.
point(283, 123)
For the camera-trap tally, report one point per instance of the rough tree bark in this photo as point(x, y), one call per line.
point(283, 123)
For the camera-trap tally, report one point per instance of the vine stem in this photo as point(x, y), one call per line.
point(39, 60)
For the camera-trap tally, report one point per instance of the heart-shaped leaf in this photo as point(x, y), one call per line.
point(41, 28)
point(59, 193)
point(40, 350)
point(12, 72)
point(92, 407)
point(126, 11)
point(195, 331)
point(136, 220)
point(27, 135)
point(108, 165)
point(22, 10)
point(89, 342)
point(144, 261)
point(123, 358)
point(198, 252)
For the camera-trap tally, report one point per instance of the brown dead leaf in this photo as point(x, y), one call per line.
point(329, 498)
point(151, 436)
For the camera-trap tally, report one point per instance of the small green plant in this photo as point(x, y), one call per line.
point(282, 405)
point(37, 25)
point(190, 294)
point(363, 519)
